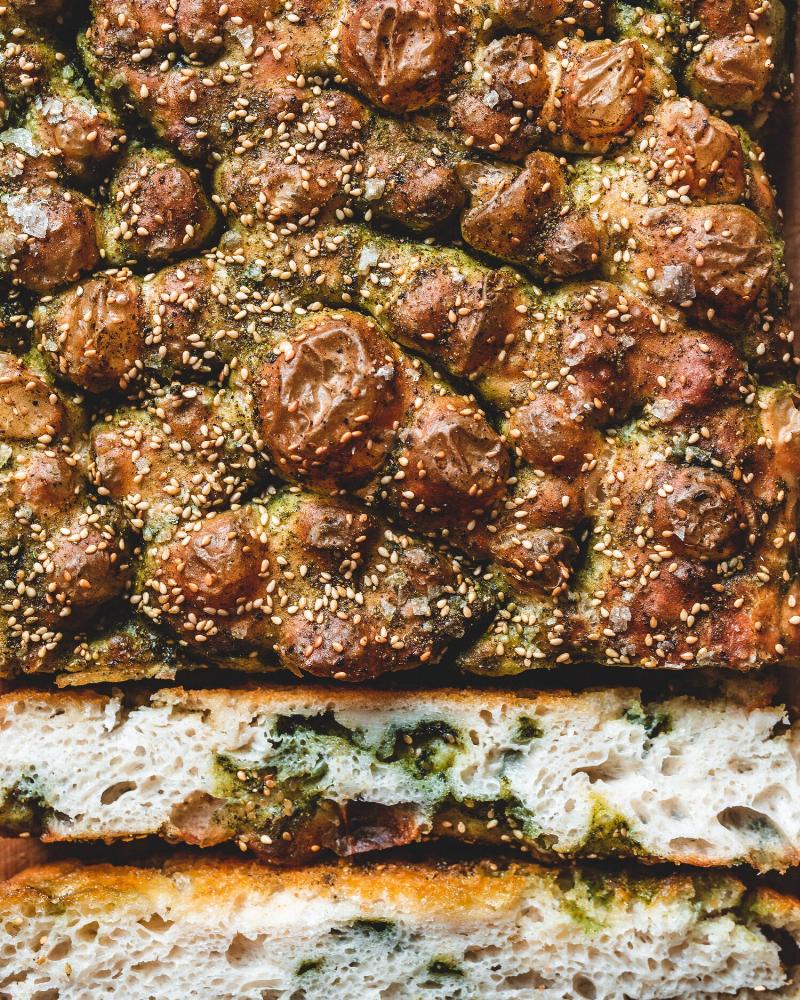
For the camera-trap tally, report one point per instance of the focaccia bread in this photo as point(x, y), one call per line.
point(292, 772)
point(362, 336)
point(243, 932)
point(282, 420)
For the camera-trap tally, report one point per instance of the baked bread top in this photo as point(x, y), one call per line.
point(254, 414)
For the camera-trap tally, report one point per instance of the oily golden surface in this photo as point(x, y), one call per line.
point(442, 891)
point(425, 330)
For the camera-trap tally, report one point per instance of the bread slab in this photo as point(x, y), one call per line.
point(372, 276)
point(236, 931)
point(290, 772)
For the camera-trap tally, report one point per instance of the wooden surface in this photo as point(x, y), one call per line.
point(784, 164)
point(18, 854)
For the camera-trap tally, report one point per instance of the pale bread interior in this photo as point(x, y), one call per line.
point(709, 782)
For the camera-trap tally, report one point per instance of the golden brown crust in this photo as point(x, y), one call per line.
point(503, 92)
point(751, 693)
point(438, 891)
point(97, 334)
point(399, 53)
point(29, 409)
point(443, 891)
point(53, 239)
point(331, 397)
point(601, 468)
point(60, 216)
point(243, 580)
point(452, 458)
point(157, 210)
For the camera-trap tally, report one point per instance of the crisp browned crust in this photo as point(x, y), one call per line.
point(444, 891)
point(437, 891)
point(751, 693)
point(208, 907)
point(280, 428)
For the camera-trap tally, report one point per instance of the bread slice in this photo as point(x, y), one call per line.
point(223, 930)
point(291, 771)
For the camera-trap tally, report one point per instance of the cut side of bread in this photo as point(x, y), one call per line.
point(290, 772)
point(237, 931)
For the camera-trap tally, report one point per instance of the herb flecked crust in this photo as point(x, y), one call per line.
point(343, 344)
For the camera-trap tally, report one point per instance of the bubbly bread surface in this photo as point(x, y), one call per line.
point(354, 337)
point(243, 932)
point(357, 336)
point(291, 772)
